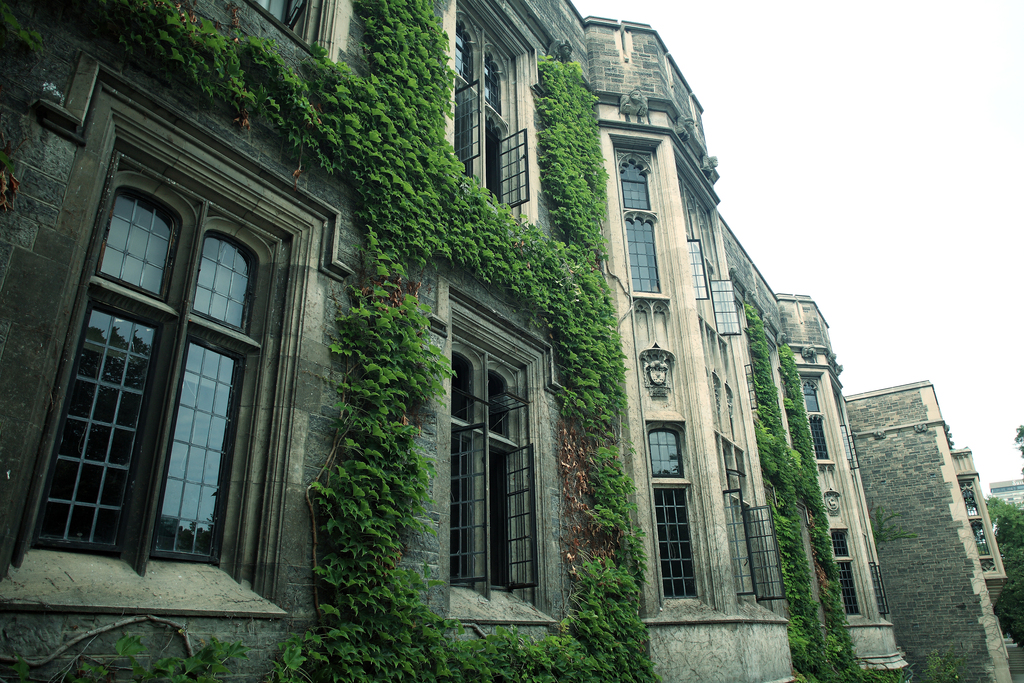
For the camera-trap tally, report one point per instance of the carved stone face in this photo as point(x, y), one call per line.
point(658, 372)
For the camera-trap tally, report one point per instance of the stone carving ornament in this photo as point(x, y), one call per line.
point(921, 428)
point(657, 365)
point(832, 502)
point(561, 50)
point(879, 435)
point(634, 103)
point(685, 127)
point(809, 353)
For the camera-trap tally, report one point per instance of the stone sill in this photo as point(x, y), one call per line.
point(57, 581)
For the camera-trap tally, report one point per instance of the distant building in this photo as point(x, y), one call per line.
point(1011, 491)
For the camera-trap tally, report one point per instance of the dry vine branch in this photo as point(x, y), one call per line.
point(34, 663)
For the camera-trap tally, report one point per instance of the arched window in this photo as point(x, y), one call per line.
point(137, 249)
point(666, 457)
point(223, 285)
point(497, 388)
point(634, 186)
point(463, 53)
point(811, 397)
point(492, 83)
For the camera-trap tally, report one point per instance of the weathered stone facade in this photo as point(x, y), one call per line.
point(102, 139)
point(935, 581)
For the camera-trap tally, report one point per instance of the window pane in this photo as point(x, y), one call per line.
point(223, 282)
point(86, 492)
point(674, 548)
point(665, 460)
point(700, 281)
point(137, 244)
point(839, 546)
point(811, 397)
point(188, 519)
point(643, 264)
point(727, 318)
point(463, 53)
point(634, 187)
point(818, 437)
point(492, 84)
point(849, 589)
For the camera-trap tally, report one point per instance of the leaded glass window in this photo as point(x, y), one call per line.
point(643, 262)
point(137, 247)
point(222, 287)
point(634, 187)
point(666, 458)
point(463, 53)
point(818, 437)
point(978, 527)
point(811, 397)
point(971, 503)
point(94, 454)
point(839, 545)
point(700, 280)
point(199, 451)
point(727, 318)
point(848, 588)
point(674, 547)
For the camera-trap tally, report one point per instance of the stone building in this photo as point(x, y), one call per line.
point(1012, 491)
point(941, 583)
point(168, 288)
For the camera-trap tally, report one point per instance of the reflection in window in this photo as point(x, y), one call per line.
point(223, 283)
point(94, 455)
point(201, 436)
point(700, 280)
point(643, 264)
point(463, 53)
point(137, 244)
point(634, 187)
point(727, 318)
point(811, 397)
point(849, 590)
point(674, 548)
point(666, 460)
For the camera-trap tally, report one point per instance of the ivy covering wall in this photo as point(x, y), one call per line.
point(381, 130)
point(819, 654)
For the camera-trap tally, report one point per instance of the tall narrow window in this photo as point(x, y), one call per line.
point(492, 84)
point(876, 580)
point(634, 187)
point(970, 502)
point(666, 459)
point(765, 559)
point(463, 53)
point(848, 588)
point(700, 280)
point(978, 527)
point(200, 451)
point(643, 262)
point(97, 443)
point(735, 527)
point(674, 547)
point(137, 248)
point(818, 437)
point(467, 126)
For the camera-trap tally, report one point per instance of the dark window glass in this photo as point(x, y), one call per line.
point(674, 549)
point(462, 388)
point(468, 527)
point(643, 263)
point(492, 84)
point(497, 413)
point(199, 450)
point(634, 187)
point(876, 580)
point(666, 458)
point(967, 491)
point(735, 527)
point(492, 158)
point(467, 126)
point(700, 280)
point(138, 243)
point(978, 527)
point(839, 546)
point(463, 53)
point(222, 288)
point(94, 453)
point(849, 590)
point(818, 437)
point(515, 167)
point(811, 398)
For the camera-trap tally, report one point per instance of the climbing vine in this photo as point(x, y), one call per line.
point(819, 654)
point(380, 126)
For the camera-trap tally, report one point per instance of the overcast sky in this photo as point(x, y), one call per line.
point(872, 157)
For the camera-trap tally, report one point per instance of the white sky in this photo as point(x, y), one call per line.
point(872, 157)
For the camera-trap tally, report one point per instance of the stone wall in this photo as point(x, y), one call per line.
point(936, 594)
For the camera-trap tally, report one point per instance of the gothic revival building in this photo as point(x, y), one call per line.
point(167, 290)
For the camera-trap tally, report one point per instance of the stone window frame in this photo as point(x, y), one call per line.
point(140, 148)
point(491, 135)
point(492, 345)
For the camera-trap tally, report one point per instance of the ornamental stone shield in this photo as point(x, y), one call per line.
point(832, 502)
point(657, 366)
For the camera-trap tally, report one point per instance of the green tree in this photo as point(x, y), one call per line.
point(1019, 441)
point(1009, 529)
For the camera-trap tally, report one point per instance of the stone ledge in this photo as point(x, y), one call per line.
point(56, 581)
